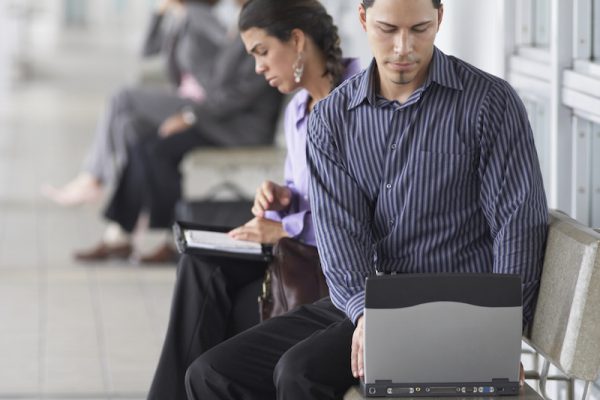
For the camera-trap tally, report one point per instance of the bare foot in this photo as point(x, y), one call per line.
point(82, 190)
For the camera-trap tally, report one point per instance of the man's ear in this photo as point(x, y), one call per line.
point(298, 38)
point(440, 15)
point(362, 16)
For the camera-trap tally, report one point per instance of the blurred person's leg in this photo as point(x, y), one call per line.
point(123, 210)
point(116, 130)
point(163, 157)
point(203, 314)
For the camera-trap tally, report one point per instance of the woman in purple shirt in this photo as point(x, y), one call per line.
point(296, 46)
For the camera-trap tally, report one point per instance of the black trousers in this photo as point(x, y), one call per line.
point(304, 354)
point(151, 180)
point(214, 298)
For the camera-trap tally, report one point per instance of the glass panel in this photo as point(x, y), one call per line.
point(596, 31)
point(536, 111)
point(582, 165)
point(595, 177)
point(541, 20)
point(75, 12)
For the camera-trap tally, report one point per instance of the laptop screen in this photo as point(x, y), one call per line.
point(454, 331)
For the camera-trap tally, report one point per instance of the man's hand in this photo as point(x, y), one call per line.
point(259, 230)
point(172, 125)
point(271, 196)
point(521, 375)
point(358, 341)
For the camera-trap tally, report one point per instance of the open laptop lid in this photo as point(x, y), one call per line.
point(457, 332)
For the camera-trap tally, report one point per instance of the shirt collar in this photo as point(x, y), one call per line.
point(441, 72)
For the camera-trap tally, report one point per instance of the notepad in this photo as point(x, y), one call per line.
point(220, 241)
point(213, 241)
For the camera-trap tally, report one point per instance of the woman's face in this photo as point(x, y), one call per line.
point(274, 58)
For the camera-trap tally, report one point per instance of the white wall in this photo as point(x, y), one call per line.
point(472, 30)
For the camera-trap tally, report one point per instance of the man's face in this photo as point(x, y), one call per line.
point(401, 35)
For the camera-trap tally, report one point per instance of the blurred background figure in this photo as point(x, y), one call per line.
point(189, 36)
point(235, 107)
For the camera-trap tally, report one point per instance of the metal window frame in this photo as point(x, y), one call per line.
point(582, 154)
point(541, 24)
point(596, 32)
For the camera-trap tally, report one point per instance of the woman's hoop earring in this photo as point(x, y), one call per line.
point(298, 68)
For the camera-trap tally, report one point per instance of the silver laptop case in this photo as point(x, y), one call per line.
point(442, 335)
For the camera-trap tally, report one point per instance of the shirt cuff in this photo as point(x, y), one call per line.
point(273, 216)
point(294, 224)
point(355, 306)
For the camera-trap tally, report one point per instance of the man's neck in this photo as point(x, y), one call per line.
point(397, 91)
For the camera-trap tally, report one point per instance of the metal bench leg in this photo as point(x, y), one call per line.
point(571, 389)
point(586, 391)
point(544, 379)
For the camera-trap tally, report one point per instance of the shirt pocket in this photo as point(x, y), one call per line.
point(444, 182)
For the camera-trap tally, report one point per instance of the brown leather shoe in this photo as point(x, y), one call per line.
point(165, 253)
point(103, 251)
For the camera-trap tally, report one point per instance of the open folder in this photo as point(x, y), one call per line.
point(213, 241)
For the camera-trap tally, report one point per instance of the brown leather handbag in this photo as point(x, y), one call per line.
point(293, 277)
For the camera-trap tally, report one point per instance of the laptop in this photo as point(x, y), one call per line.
point(442, 335)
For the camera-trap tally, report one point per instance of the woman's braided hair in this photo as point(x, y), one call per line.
point(279, 17)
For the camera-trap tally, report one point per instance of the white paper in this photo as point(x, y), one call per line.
point(220, 241)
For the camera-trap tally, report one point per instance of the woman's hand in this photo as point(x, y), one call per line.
point(172, 125)
point(259, 230)
point(271, 196)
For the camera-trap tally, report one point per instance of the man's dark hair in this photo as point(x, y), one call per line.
point(368, 3)
point(279, 17)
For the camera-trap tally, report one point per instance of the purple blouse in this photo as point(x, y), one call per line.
point(297, 219)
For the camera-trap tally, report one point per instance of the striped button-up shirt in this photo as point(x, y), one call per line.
point(449, 181)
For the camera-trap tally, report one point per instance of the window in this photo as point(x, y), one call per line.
point(586, 171)
point(529, 71)
point(533, 23)
point(596, 31)
point(587, 37)
point(541, 24)
point(537, 112)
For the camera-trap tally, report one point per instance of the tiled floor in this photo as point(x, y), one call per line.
point(67, 330)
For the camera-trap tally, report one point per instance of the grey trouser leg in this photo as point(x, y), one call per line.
point(131, 113)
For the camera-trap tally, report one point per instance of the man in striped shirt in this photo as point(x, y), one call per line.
point(422, 163)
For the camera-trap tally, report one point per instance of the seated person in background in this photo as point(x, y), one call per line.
point(420, 163)
point(189, 35)
point(240, 109)
point(216, 298)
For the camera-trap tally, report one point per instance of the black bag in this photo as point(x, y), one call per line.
point(212, 211)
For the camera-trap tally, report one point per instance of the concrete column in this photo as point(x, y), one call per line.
point(473, 30)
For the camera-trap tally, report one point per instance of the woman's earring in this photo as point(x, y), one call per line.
point(298, 68)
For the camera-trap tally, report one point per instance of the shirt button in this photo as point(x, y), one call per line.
point(388, 186)
point(392, 221)
point(394, 146)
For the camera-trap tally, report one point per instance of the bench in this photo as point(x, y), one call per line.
point(242, 168)
point(566, 325)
